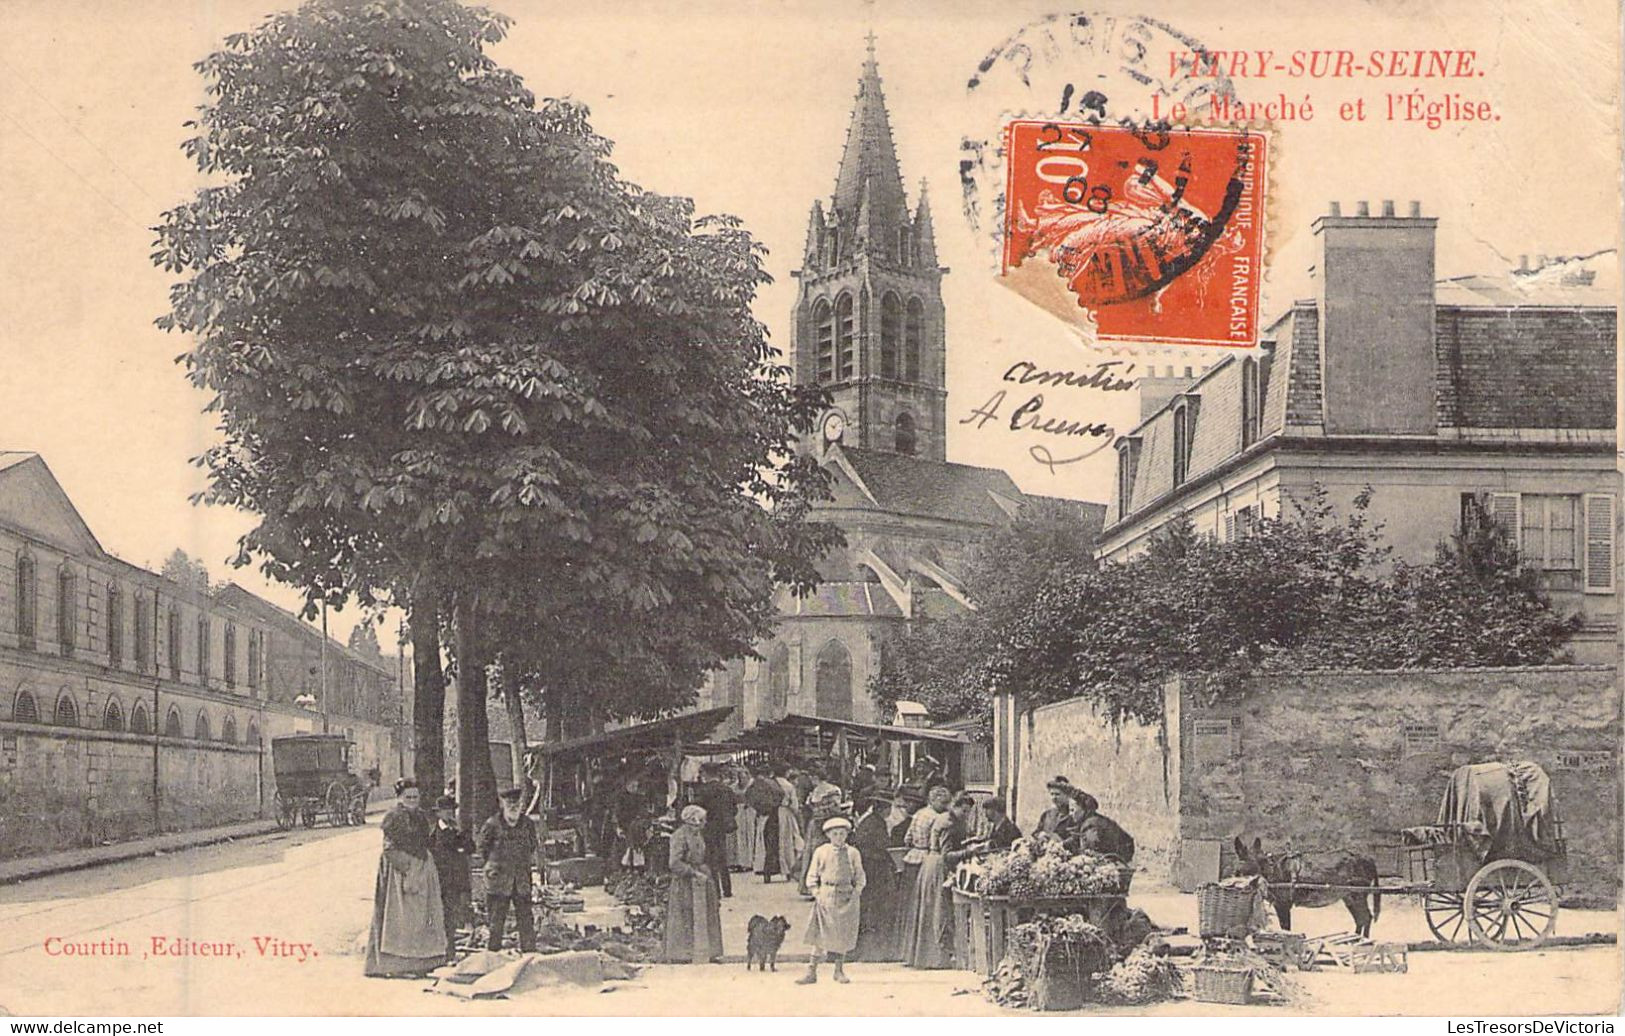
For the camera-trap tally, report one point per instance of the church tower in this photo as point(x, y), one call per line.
point(868, 322)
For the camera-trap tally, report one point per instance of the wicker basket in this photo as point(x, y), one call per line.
point(1225, 911)
point(1222, 983)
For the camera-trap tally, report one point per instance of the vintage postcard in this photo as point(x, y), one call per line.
point(863, 508)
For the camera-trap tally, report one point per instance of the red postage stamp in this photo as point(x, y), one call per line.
point(1157, 233)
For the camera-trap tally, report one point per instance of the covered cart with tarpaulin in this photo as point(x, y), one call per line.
point(898, 753)
point(575, 777)
point(314, 781)
point(1494, 862)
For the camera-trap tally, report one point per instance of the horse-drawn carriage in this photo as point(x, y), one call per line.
point(1488, 871)
point(314, 781)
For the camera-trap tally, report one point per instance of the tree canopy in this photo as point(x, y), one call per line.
point(1309, 589)
point(454, 351)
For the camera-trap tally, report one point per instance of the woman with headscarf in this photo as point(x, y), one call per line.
point(877, 922)
point(932, 945)
point(408, 934)
point(693, 911)
point(836, 877)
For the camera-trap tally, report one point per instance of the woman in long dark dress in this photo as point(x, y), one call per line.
point(932, 944)
point(693, 911)
point(877, 921)
point(408, 934)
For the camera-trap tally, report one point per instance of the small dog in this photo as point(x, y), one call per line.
point(763, 937)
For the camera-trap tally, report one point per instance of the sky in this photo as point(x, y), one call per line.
point(743, 107)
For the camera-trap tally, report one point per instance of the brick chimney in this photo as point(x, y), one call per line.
point(1374, 287)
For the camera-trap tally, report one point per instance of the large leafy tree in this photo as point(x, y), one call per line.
point(462, 365)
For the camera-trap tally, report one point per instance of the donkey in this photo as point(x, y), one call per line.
point(1336, 867)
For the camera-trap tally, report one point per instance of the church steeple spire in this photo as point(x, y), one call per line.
point(870, 158)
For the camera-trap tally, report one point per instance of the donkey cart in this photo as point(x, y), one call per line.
point(1488, 872)
point(314, 782)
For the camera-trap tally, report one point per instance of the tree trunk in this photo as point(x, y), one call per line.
point(476, 780)
point(518, 739)
point(428, 698)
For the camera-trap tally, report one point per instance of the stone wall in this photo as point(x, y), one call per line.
point(1331, 760)
point(1129, 768)
point(71, 787)
point(1348, 759)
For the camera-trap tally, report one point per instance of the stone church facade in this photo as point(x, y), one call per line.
point(869, 326)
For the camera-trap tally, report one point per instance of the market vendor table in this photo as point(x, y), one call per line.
point(982, 923)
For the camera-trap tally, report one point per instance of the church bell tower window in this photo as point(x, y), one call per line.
point(845, 339)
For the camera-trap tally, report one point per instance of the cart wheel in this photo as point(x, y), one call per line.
point(358, 810)
point(338, 804)
point(1446, 920)
point(1514, 905)
point(285, 816)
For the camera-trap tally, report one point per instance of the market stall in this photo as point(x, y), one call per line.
point(898, 753)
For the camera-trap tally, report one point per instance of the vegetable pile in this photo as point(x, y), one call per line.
point(1040, 867)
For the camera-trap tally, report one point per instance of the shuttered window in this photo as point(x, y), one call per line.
point(1599, 543)
point(1504, 509)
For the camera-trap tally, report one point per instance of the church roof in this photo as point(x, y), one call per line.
point(869, 175)
point(836, 599)
point(934, 488)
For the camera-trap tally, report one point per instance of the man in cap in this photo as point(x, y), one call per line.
point(508, 843)
point(1099, 833)
point(453, 853)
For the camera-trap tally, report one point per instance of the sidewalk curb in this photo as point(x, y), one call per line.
point(28, 868)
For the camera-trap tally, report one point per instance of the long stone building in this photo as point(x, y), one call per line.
point(131, 704)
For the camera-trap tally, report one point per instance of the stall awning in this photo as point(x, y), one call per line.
point(660, 733)
point(774, 733)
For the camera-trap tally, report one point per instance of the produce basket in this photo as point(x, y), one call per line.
point(1225, 911)
point(1222, 983)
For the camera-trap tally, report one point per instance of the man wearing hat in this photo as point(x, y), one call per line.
point(721, 807)
point(835, 877)
point(453, 853)
point(508, 844)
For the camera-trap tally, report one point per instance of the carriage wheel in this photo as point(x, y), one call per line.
point(358, 810)
point(1446, 919)
point(338, 804)
point(285, 814)
point(1514, 905)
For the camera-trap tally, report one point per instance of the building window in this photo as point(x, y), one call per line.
point(1128, 463)
point(23, 708)
point(253, 659)
point(824, 332)
point(845, 339)
point(113, 716)
point(174, 643)
point(203, 649)
point(1241, 523)
point(230, 657)
point(833, 682)
point(67, 610)
point(27, 601)
point(1251, 409)
point(913, 340)
point(1182, 444)
point(67, 711)
point(906, 442)
point(200, 729)
point(253, 732)
point(1546, 532)
point(228, 729)
point(115, 625)
point(143, 646)
point(778, 681)
point(172, 723)
point(138, 720)
point(891, 334)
